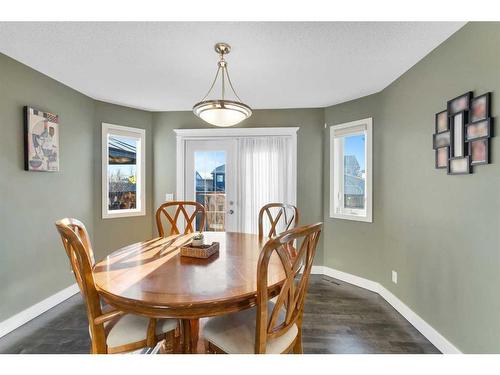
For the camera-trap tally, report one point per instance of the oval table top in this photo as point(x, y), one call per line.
point(151, 278)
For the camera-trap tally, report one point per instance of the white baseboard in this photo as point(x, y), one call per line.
point(25, 316)
point(438, 340)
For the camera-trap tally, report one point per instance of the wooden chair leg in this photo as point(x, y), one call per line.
point(151, 339)
point(297, 347)
point(207, 347)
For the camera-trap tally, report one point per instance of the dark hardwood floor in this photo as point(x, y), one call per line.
point(338, 318)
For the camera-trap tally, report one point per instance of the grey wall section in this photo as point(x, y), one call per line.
point(309, 154)
point(441, 233)
point(349, 246)
point(110, 234)
point(33, 264)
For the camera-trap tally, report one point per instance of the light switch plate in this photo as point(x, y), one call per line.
point(169, 197)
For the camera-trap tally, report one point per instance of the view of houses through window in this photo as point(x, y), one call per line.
point(210, 180)
point(122, 172)
point(354, 171)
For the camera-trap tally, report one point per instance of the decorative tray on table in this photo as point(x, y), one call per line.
point(201, 251)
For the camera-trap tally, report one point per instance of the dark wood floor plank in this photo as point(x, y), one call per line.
point(338, 318)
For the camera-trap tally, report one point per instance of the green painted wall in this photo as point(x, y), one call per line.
point(441, 233)
point(33, 264)
point(352, 246)
point(309, 154)
point(110, 234)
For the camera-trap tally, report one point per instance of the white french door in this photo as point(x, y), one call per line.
point(234, 172)
point(210, 179)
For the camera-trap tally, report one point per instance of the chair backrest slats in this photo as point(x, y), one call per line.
point(198, 211)
point(281, 217)
point(292, 294)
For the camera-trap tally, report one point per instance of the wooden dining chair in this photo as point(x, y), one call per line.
point(270, 327)
point(111, 330)
point(180, 207)
point(281, 217)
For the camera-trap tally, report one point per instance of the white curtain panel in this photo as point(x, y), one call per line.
point(264, 172)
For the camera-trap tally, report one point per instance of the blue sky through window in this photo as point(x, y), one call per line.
point(355, 145)
point(206, 161)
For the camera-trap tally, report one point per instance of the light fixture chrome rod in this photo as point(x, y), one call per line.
point(213, 84)
point(231, 85)
point(223, 88)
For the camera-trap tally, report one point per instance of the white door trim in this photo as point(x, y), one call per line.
point(183, 135)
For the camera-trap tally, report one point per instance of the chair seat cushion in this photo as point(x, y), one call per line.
point(132, 328)
point(235, 333)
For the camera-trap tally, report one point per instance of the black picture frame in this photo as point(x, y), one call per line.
point(452, 134)
point(447, 148)
point(489, 134)
point(434, 136)
point(49, 155)
point(486, 140)
point(436, 121)
point(450, 161)
point(449, 106)
point(25, 133)
point(487, 97)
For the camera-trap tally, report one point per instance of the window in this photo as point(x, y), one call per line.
point(210, 188)
point(351, 170)
point(123, 171)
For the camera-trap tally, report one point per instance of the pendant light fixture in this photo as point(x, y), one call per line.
point(222, 112)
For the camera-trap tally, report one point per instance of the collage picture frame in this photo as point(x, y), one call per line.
point(462, 134)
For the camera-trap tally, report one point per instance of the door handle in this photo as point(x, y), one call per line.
point(230, 212)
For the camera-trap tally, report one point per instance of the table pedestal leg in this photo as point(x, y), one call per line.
point(190, 332)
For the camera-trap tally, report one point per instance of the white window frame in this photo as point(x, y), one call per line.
point(125, 131)
point(337, 172)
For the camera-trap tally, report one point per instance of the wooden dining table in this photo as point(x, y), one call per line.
point(152, 279)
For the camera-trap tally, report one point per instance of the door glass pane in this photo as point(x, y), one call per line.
point(122, 172)
point(210, 187)
point(354, 172)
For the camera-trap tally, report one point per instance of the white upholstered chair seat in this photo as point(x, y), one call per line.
point(132, 328)
point(235, 333)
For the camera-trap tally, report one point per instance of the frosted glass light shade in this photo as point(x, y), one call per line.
point(222, 113)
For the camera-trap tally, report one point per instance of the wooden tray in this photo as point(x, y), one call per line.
point(203, 251)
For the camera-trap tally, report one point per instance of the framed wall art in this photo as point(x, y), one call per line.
point(41, 140)
point(479, 129)
point(441, 140)
point(479, 151)
point(442, 156)
point(442, 122)
point(480, 107)
point(460, 165)
point(462, 133)
point(459, 104)
point(458, 134)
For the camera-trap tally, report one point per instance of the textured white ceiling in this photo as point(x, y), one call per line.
point(164, 66)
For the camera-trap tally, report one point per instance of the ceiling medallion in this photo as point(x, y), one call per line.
point(222, 112)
